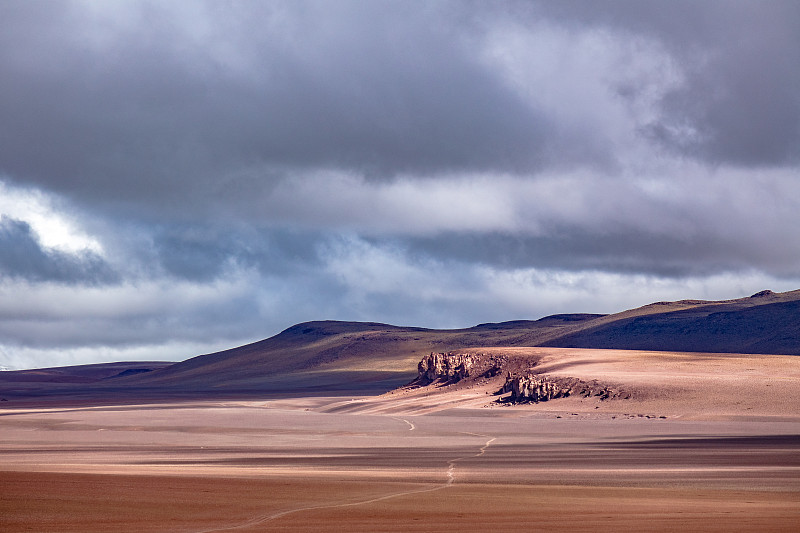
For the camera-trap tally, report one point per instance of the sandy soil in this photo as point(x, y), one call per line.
point(434, 460)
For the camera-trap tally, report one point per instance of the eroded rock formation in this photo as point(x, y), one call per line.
point(445, 366)
point(523, 384)
point(533, 388)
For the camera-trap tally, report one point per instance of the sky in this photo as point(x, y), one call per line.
point(182, 177)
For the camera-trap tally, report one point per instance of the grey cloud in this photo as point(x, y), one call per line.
point(744, 100)
point(202, 252)
point(150, 115)
point(195, 255)
point(243, 307)
point(22, 257)
point(191, 106)
point(234, 319)
point(631, 252)
point(741, 100)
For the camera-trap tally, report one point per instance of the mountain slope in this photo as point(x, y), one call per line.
point(765, 323)
point(330, 357)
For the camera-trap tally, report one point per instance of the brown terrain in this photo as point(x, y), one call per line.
point(682, 415)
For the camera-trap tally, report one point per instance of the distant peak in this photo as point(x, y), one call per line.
point(762, 293)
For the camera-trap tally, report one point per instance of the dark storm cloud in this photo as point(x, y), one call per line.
point(22, 257)
point(144, 112)
point(142, 105)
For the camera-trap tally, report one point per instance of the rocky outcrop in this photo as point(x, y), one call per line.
point(533, 388)
point(445, 367)
point(523, 384)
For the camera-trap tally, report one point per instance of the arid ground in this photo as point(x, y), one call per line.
point(705, 442)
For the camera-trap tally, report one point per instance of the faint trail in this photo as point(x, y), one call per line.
point(412, 427)
point(451, 477)
point(488, 442)
point(481, 451)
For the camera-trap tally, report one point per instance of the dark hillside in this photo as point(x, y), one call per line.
point(770, 329)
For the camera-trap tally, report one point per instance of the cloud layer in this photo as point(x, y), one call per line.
point(193, 175)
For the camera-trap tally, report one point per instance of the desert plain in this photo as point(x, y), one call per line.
point(691, 441)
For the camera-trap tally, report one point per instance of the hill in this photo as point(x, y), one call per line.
point(330, 357)
point(765, 323)
point(340, 356)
